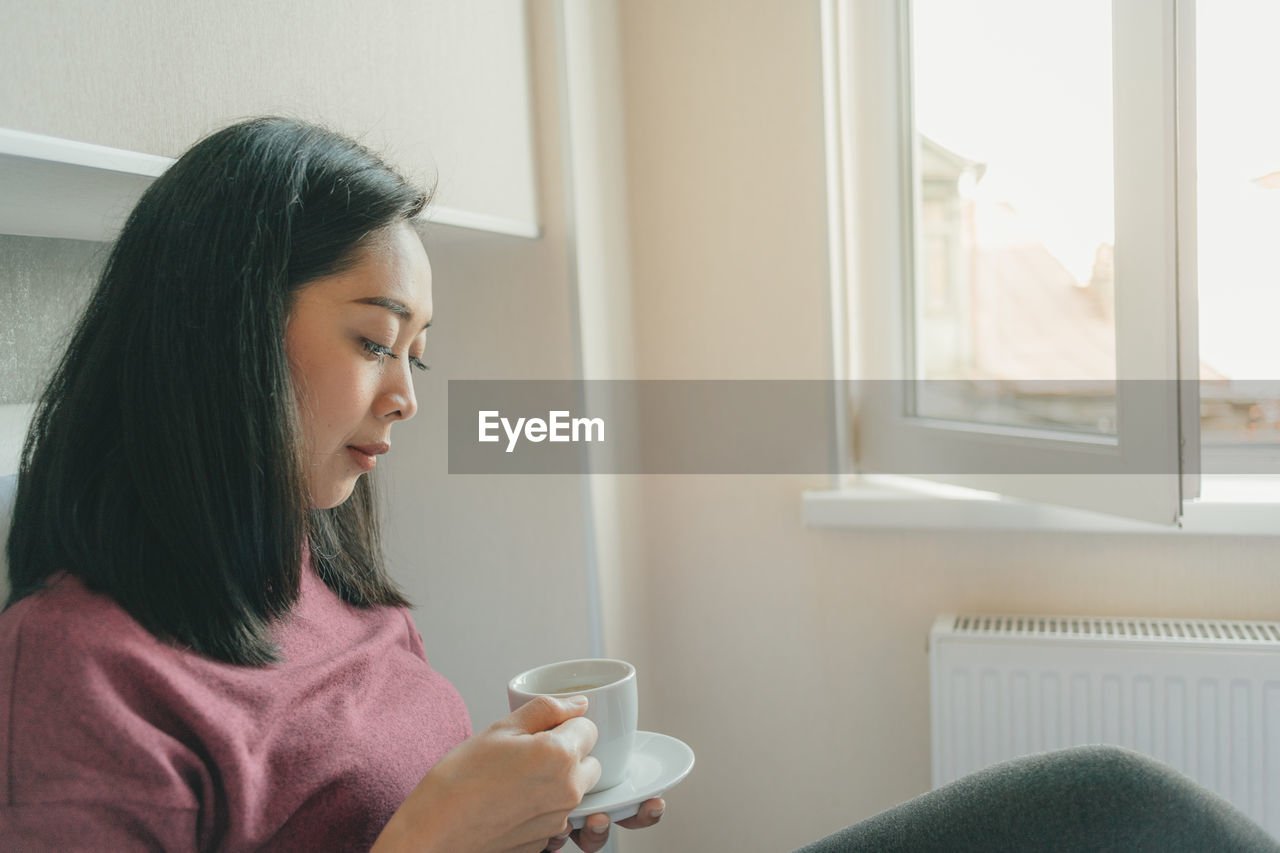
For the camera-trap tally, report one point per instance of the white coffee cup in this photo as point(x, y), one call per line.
point(610, 688)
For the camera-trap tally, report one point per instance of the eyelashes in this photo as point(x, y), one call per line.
point(382, 352)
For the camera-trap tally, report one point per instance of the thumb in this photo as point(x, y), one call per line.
point(545, 712)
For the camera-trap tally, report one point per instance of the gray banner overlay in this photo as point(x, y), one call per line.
point(788, 426)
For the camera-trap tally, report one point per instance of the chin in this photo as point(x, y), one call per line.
point(335, 495)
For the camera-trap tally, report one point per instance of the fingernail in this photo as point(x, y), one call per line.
point(601, 829)
point(576, 701)
point(656, 813)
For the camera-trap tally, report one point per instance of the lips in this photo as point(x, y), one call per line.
point(377, 449)
point(366, 455)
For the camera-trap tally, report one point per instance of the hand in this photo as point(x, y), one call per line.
point(509, 788)
point(594, 835)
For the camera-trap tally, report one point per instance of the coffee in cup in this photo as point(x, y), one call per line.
point(610, 688)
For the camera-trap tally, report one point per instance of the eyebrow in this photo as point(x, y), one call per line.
point(394, 306)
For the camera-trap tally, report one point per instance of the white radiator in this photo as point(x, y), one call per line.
point(1200, 695)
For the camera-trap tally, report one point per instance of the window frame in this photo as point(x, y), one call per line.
point(869, 173)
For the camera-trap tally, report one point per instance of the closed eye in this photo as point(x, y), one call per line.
point(382, 352)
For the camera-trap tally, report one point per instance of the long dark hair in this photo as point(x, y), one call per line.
point(163, 465)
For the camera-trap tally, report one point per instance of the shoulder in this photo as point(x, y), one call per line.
point(65, 629)
point(66, 610)
point(85, 687)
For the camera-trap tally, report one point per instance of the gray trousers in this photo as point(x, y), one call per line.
point(1093, 798)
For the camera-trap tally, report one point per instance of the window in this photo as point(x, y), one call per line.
point(1030, 192)
point(1238, 213)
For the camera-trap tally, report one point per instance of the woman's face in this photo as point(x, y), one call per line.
point(354, 340)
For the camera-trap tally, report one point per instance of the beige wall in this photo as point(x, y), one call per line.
point(498, 566)
point(792, 659)
point(434, 84)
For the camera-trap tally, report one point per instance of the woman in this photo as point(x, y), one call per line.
point(202, 649)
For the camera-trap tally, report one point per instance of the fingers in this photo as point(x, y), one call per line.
point(557, 841)
point(587, 774)
point(578, 735)
point(649, 814)
point(593, 836)
point(544, 713)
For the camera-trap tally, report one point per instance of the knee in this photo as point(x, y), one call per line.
point(1118, 758)
point(1118, 769)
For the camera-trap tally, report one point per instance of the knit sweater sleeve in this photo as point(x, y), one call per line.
point(91, 762)
point(103, 826)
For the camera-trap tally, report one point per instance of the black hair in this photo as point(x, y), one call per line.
point(163, 465)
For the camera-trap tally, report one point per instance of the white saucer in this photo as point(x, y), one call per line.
point(658, 763)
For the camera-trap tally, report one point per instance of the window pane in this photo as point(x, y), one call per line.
point(1238, 201)
point(1015, 228)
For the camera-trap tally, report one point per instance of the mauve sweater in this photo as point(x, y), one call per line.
point(113, 740)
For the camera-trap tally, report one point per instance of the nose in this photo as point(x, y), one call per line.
point(396, 399)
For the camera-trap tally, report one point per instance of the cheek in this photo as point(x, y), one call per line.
point(336, 398)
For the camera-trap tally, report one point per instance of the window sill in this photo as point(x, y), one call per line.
point(1231, 506)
